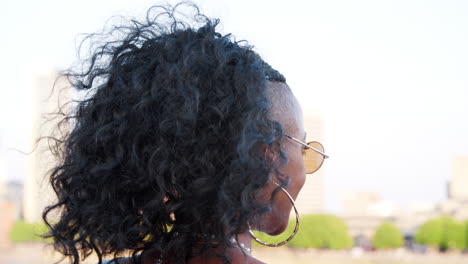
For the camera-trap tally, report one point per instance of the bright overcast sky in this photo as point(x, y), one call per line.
point(390, 78)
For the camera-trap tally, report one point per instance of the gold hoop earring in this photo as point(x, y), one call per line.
point(296, 228)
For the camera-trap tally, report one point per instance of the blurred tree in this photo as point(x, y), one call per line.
point(430, 233)
point(27, 232)
point(443, 232)
point(316, 231)
point(466, 233)
point(387, 235)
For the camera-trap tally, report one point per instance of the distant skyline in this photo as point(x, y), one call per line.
point(390, 79)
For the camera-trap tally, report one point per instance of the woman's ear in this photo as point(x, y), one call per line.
point(268, 153)
point(263, 150)
point(282, 179)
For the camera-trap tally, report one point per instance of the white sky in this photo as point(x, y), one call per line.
point(390, 78)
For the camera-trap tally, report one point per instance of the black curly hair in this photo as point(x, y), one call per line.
point(164, 151)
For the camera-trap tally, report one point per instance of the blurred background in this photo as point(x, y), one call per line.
point(383, 84)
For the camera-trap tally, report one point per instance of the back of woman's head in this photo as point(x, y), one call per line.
point(164, 151)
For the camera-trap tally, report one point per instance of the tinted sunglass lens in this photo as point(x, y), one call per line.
point(312, 159)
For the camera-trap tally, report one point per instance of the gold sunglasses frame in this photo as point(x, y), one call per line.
point(325, 156)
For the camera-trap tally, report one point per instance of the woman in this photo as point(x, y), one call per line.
point(185, 142)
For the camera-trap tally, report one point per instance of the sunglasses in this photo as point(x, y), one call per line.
point(313, 155)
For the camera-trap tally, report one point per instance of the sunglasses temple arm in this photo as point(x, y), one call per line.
point(314, 149)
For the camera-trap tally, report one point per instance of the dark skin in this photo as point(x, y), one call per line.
point(287, 111)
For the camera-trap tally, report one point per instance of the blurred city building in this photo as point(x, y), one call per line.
point(6, 222)
point(3, 172)
point(48, 95)
point(363, 212)
point(7, 205)
point(311, 197)
point(458, 184)
point(10, 209)
point(14, 194)
point(359, 203)
point(414, 215)
point(456, 205)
